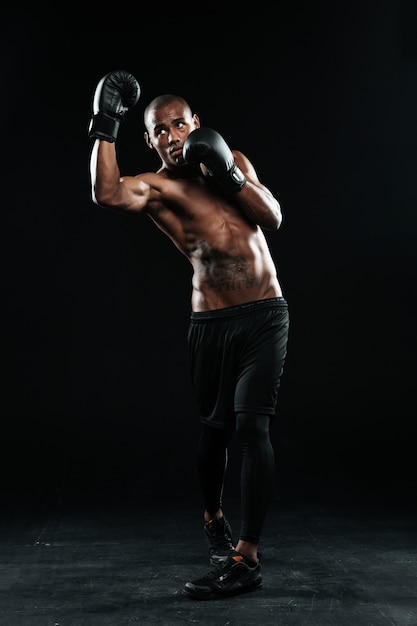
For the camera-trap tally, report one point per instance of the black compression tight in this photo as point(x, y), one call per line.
point(257, 471)
point(212, 463)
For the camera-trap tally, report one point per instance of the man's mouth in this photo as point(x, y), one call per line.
point(176, 154)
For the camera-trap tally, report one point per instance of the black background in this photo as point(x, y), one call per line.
point(96, 399)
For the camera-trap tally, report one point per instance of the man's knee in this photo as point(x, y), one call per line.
point(252, 426)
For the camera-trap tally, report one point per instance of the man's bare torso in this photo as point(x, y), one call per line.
point(230, 257)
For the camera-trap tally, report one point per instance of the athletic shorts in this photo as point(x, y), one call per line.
point(236, 358)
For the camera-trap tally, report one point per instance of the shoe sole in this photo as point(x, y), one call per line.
point(218, 594)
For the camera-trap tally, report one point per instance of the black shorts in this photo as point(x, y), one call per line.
point(237, 357)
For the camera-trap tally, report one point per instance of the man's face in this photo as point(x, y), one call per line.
point(167, 128)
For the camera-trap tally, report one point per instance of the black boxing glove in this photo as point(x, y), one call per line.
point(206, 146)
point(114, 95)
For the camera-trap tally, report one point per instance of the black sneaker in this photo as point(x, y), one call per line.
point(237, 574)
point(219, 536)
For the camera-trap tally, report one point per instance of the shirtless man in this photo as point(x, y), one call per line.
point(209, 201)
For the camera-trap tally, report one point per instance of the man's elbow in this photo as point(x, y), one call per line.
point(103, 198)
point(275, 219)
point(94, 198)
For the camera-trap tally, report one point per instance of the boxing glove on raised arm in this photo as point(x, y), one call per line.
point(115, 93)
point(205, 145)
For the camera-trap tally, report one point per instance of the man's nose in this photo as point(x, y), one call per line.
point(173, 137)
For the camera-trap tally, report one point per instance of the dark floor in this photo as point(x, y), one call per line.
point(328, 563)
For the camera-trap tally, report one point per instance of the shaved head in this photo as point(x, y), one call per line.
point(161, 101)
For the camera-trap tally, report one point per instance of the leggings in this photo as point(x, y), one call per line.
point(256, 475)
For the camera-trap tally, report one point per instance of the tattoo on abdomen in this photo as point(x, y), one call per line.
point(227, 273)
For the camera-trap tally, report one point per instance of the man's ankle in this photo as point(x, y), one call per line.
point(247, 548)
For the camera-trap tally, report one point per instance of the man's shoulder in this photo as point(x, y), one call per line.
point(150, 177)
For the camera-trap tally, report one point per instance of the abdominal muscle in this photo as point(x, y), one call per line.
point(230, 275)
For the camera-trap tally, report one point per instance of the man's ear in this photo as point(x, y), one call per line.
point(196, 120)
point(147, 140)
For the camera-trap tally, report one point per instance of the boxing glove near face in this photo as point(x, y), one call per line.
point(205, 145)
point(115, 93)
